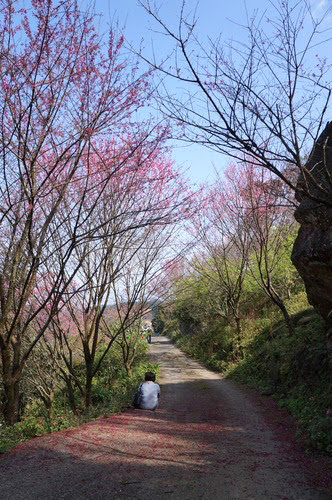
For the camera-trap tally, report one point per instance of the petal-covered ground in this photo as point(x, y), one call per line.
point(210, 439)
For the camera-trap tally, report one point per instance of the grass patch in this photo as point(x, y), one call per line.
point(296, 371)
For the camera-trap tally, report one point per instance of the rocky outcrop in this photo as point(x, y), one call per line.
point(312, 252)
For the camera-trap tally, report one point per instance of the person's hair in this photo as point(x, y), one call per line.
point(150, 376)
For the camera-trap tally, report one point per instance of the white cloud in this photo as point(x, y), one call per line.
point(318, 6)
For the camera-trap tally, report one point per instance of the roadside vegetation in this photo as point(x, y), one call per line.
point(112, 392)
point(292, 367)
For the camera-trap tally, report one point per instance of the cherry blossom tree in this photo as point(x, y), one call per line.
point(270, 226)
point(222, 251)
point(43, 375)
point(265, 227)
point(66, 98)
point(137, 212)
point(244, 232)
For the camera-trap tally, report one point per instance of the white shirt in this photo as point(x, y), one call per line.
point(150, 392)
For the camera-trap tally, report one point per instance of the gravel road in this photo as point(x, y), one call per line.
point(210, 439)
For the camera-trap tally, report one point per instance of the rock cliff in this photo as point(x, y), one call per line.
point(312, 252)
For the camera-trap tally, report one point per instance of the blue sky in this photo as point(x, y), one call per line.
point(214, 17)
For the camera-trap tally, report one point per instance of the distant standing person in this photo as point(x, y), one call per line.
point(149, 335)
point(148, 393)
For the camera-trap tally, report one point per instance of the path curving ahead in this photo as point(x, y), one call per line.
point(210, 439)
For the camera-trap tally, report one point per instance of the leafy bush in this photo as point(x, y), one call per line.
point(295, 370)
point(315, 422)
point(32, 426)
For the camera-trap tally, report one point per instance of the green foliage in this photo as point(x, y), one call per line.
point(112, 391)
point(312, 414)
point(294, 369)
point(276, 266)
point(31, 426)
point(158, 322)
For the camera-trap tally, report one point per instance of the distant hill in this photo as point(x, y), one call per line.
point(111, 313)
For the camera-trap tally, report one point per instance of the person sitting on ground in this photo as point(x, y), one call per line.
point(149, 393)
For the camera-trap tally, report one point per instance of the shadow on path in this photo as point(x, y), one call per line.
point(208, 440)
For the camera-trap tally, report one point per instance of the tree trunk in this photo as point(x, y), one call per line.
point(12, 399)
point(239, 350)
point(128, 368)
point(88, 390)
point(50, 405)
point(11, 383)
point(280, 303)
point(288, 319)
point(71, 396)
point(271, 292)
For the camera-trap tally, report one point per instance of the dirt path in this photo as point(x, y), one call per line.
point(209, 440)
